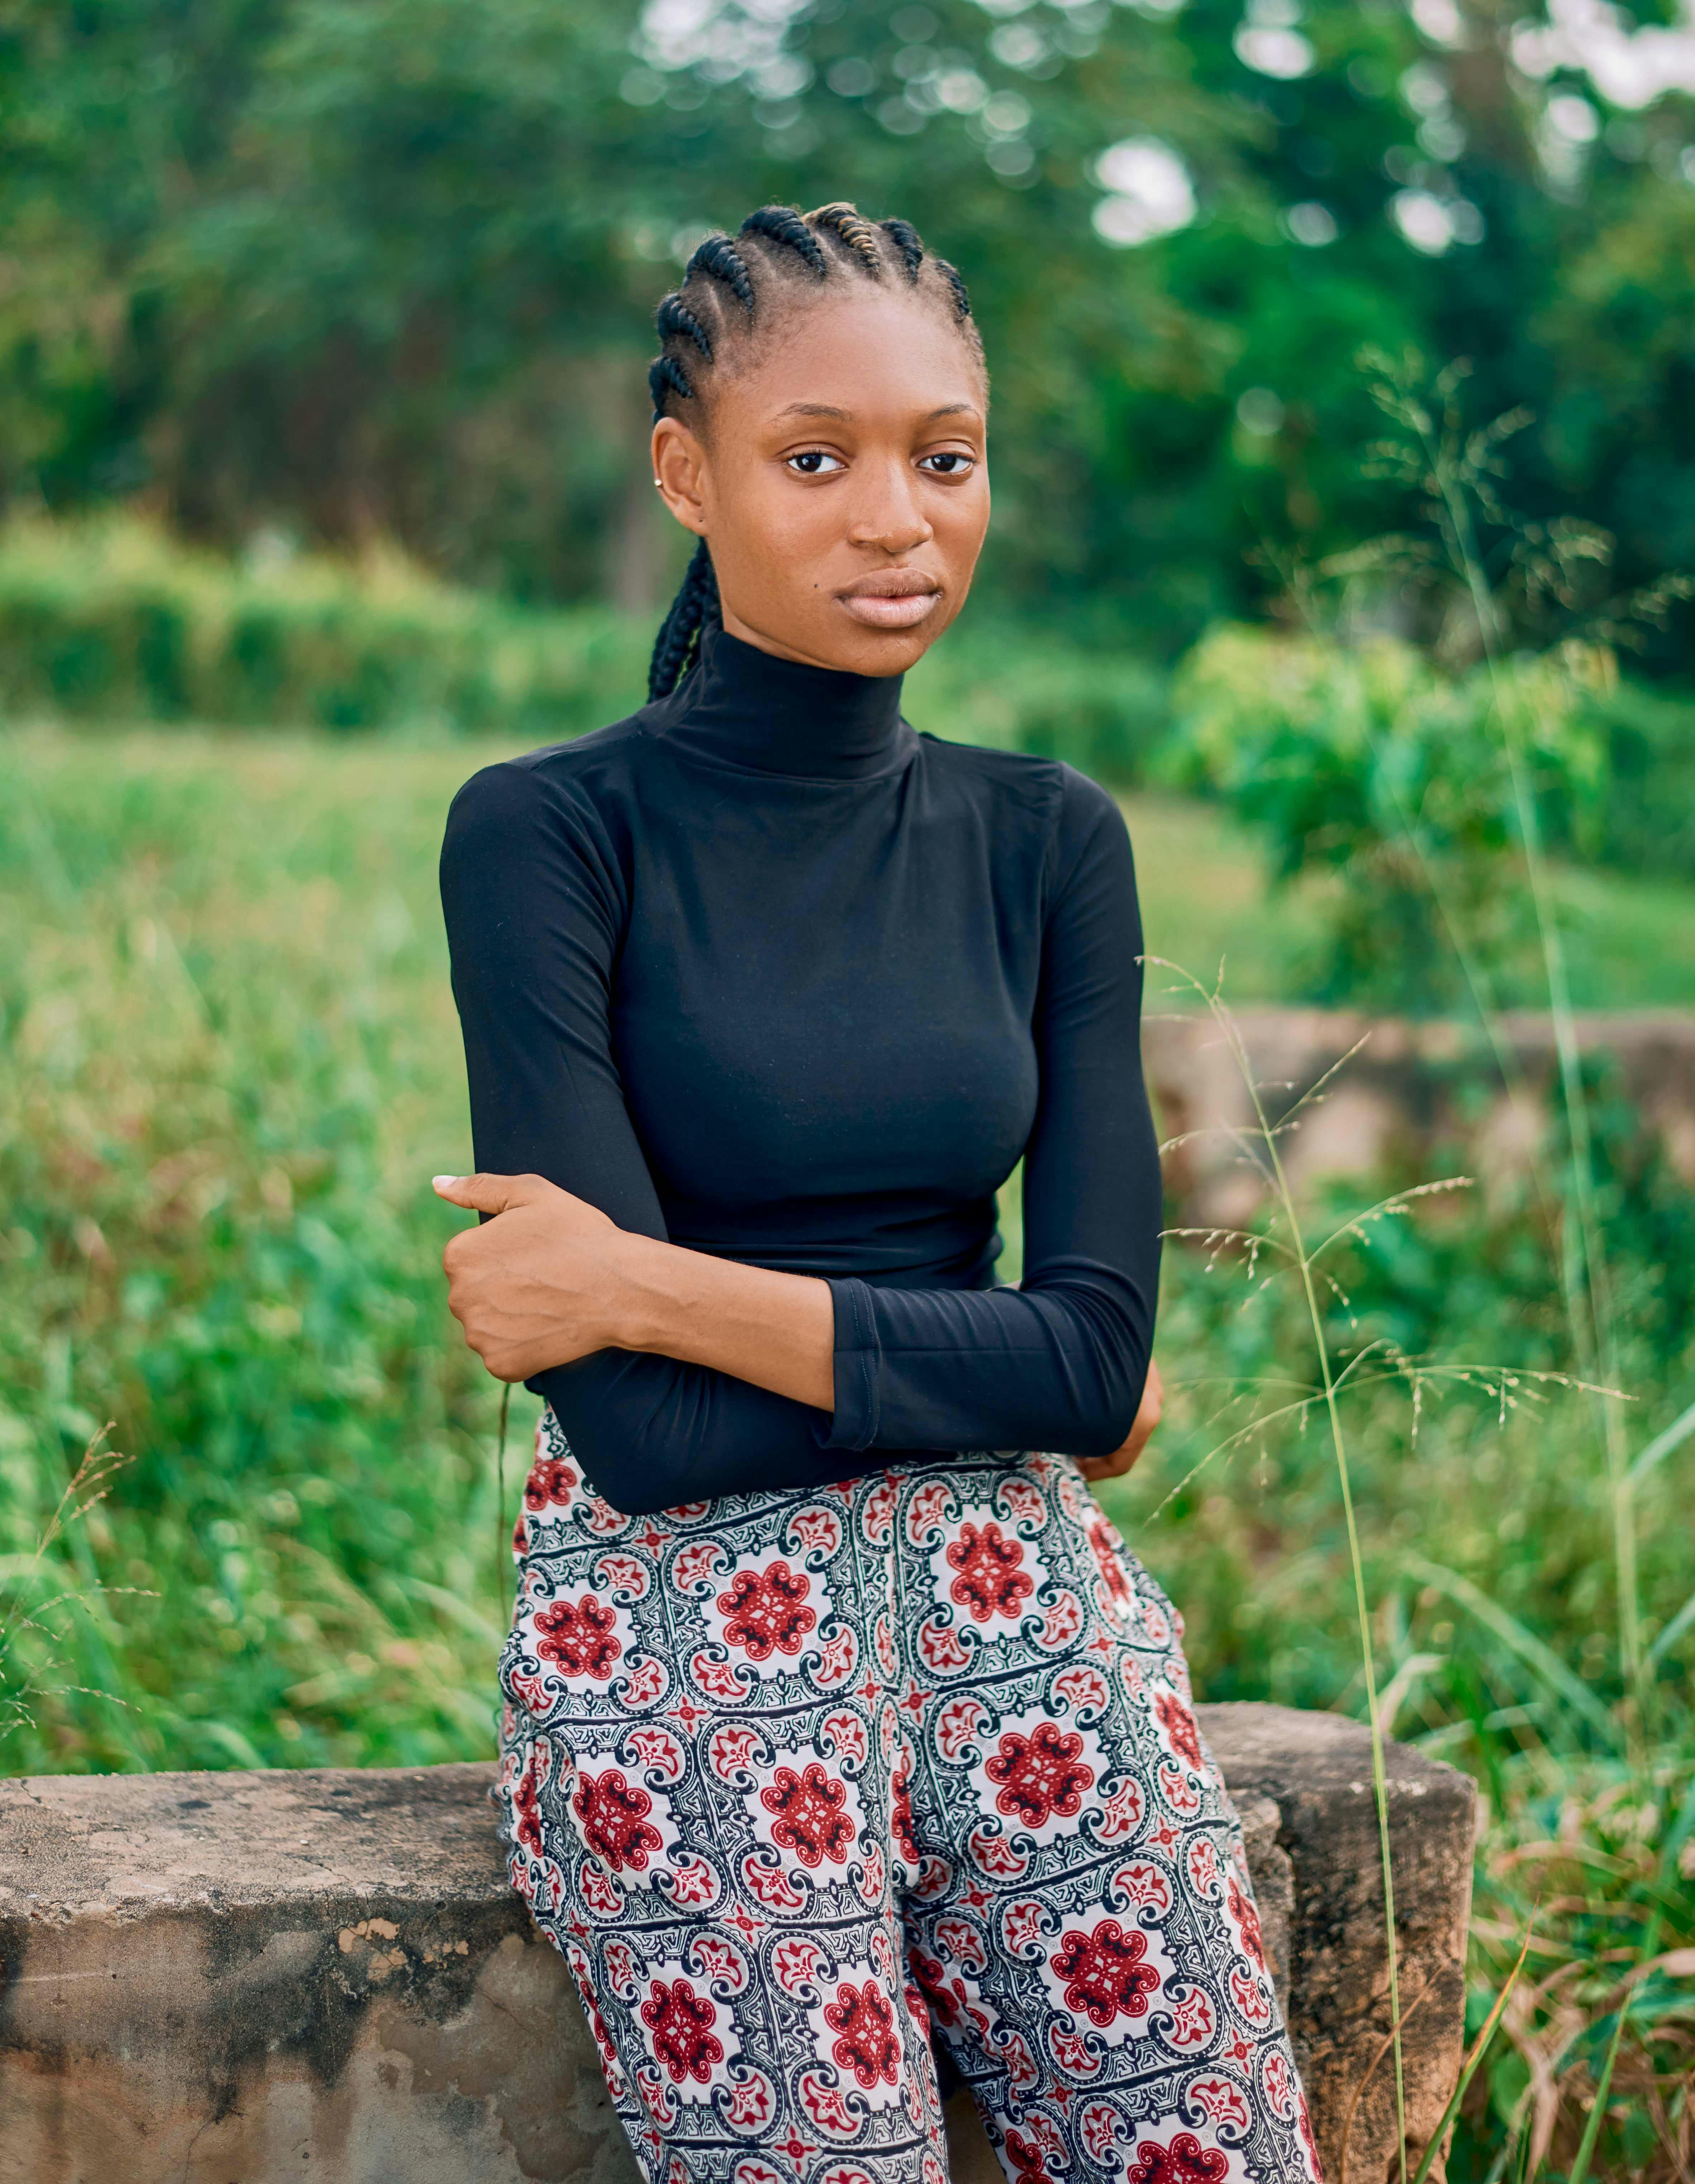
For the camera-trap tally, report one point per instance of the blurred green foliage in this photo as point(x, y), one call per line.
point(109, 619)
point(1371, 763)
point(382, 268)
point(1649, 825)
point(233, 1066)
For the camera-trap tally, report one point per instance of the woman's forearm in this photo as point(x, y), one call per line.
point(547, 1279)
point(775, 1330)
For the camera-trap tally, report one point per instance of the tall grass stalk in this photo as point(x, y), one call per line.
point(1266, 1135)
point(25, 1616)
point(1457, 465)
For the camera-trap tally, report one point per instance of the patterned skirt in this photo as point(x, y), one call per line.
point(800, 1783)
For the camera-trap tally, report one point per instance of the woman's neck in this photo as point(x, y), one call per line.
point(753, 709)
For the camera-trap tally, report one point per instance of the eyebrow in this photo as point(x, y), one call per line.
point(846, 416)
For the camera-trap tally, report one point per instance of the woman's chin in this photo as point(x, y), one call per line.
point(864, 646)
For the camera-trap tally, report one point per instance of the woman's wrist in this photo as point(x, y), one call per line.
point(644, 1298)
point(775, 1329)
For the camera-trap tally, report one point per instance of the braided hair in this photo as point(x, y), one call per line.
point(726, 289)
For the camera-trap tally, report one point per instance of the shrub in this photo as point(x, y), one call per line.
point(1105, 713)
point(1648, 822)
point(111, 620)
point(1369, 764)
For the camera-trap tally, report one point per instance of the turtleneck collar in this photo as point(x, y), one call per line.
point(750, 709)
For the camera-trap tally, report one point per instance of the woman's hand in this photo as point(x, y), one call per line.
point(551, 1279)
point(535, 1287)
point(1147, 1417)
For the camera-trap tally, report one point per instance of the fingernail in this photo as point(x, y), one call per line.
point(438, 1180)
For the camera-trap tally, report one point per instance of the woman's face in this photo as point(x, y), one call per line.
point(842, 481)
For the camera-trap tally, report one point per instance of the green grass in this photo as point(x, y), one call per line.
point(1631, 941)
point(233, 1065)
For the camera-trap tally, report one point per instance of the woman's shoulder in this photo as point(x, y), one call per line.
point(563, 780)
point(563, 808)
point(1072, 804)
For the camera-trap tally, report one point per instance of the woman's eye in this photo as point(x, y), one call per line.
point(813, 462)
point(947, 462)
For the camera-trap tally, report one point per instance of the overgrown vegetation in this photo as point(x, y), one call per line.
point(1589, 2053)
point(234, 1066)
point(111, 620)
point(389, 271)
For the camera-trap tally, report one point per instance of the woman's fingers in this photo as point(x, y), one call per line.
point(533, 1287)
point(1148, 1414)
point(488, 1194)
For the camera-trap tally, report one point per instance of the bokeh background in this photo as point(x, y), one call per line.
point(1344, 460)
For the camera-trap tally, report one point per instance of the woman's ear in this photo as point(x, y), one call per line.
point(679, 465)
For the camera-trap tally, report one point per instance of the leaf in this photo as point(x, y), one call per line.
point(1540, 1658)
point(1662, 1446)
point(1479, 2049)
point(1598, 2112)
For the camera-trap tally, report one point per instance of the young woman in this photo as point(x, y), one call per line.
point(836, 1720)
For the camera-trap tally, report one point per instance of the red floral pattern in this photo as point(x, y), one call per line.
point(1041, 1775)
point(551, 1482)
point(932, 1976)
point(1183, 2161)
point(1178, 1725)
point(990, 1581)
point(765, 1611)
point(1115, 2004)
point(810, 1819)
point(900, 1822)
point(1105, 1975)
point(578, 1635)
point(1246, 1914)
point(1027, 2165)
point(527, 1808)
point(612, 1812)
point(682, 2023)
point(869, 2046)
point(1107, 1544)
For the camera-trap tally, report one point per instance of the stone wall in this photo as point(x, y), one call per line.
point(1411, 1089)
point(233, 1977)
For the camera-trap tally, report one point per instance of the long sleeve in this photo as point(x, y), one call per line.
point(1059, 1363)
point(531, 891)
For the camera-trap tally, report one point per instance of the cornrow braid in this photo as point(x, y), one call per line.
point(719, 258)
point(956, 289)
point(784, 226)
point(854, 231)
point(724, 298)
point(693, 611)
point(906, 240)
point(665, 376)
point(674, 317)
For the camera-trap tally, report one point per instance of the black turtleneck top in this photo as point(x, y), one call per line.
point(763, 972)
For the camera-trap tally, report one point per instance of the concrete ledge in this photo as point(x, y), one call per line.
point(1411, 1088)
point(233, 1978)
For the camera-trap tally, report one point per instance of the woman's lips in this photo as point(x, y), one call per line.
point(897, 603)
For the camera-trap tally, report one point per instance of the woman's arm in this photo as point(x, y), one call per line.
point(552, 1280)
point(694, 1377)
point(553, 1275)
point(1061, 1361)
point(531, 891)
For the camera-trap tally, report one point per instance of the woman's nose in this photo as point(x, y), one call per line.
point(892, 519)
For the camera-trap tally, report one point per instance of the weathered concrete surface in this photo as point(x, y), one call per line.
point(228, 1979)
point(1410, 1088)
point(1315, 1769)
